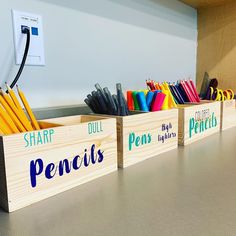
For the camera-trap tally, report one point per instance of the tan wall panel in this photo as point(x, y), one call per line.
point(217, 44)
point(205, 3)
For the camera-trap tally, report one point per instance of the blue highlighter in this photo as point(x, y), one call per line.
point(142, 101)
point(149, 99)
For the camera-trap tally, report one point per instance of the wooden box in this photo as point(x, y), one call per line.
point(198, 121)
point(228, 114)
point(144, 135)
point(67, 152)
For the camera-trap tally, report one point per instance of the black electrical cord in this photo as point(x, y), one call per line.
point(25, 30)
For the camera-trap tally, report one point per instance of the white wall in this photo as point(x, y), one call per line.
point(105, 41)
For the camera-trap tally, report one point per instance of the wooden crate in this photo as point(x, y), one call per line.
point(198, 121)
point(228, 114)
point(67, 152)
point(144, 135)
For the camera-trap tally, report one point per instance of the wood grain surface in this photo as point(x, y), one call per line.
point(187, 112)
point(144, 124)
point(228, 114)
point(69, 141)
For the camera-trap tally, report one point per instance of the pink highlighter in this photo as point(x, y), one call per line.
point(195, 91)
point(158, 102)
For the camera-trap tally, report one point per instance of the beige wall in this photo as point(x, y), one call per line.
point(217, 44)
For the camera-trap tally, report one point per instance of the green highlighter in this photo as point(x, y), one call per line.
point(136, 105)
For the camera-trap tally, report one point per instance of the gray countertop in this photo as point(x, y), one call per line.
point(189, 191)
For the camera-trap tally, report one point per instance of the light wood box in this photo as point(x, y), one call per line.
point(198, 121)
point(140, 126)
point(70, 138)
point(228, 114)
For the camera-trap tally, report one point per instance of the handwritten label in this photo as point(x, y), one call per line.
point(202, 121)
point(161, 135)
point(166, 128)
point(95, 127)
point(139, 140)
point(39, 137)
point(38, 168)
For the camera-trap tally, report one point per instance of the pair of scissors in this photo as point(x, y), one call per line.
point(216, 94)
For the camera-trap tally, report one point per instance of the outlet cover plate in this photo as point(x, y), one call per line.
point(36, 54)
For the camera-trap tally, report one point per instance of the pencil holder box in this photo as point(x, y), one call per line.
point(144, 135)
point(67, 152)
point(197, 121)
point(228, 114)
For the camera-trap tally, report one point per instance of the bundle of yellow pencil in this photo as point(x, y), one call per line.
point(12, 117)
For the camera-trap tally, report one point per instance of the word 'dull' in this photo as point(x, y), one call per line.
point(95, 127)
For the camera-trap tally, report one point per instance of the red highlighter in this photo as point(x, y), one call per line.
point(188, 85)
point(186, 91)
point(130, 101)
point(158, 102)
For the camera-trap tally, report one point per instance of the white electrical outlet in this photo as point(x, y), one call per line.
point(36, 49)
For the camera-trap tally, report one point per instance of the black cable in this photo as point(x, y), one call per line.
point(25, 30)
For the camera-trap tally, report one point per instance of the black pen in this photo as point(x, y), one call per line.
point(112, 105)
point(89, 105)
point(101, 101)
point(98, 87)
point(93, 102)
point(121, 100)
point(98, 99)
point(117, 104)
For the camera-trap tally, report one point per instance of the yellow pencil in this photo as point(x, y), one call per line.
point(1, 132)
point(8, 120)
point(28, 109)
point(13, 97)
point(4, 127)
point(11, 114)
point(18, 112)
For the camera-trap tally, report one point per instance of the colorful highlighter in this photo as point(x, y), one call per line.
point(158, 102)
point(130, 100)
point(165, 104)
point(136, 106)
point(142, 101)
point(149, 99)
